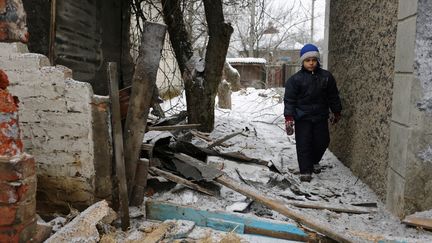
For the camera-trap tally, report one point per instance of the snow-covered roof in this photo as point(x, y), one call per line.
point(249, 60)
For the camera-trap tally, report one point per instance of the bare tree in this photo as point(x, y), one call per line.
point(201, 76)
point(275, 26)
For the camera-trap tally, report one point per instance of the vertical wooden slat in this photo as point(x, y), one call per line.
point(52, 31)
point(118, 144)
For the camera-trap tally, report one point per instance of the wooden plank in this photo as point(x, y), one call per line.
point(118, 145)
point(332, 207)
point(425, 223)
point(179, 180)
point(281, 208)
point(140, 182)
point(147, 147)
point(143, 84)
point(173, 127)
point(163, 211)
point(52, 31)
point(221, 140)
point(225, 225)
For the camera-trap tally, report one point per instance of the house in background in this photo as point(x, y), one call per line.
point(252, 71)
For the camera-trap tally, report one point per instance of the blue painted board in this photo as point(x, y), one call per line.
point(163, 211)
point(224, 225)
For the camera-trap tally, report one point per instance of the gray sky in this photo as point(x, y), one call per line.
point(319, 14)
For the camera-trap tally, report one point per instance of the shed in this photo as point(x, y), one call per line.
point(252, 71)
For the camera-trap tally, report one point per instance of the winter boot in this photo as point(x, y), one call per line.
point(306, 177)
point(316, 168)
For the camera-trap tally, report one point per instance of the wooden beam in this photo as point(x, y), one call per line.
point(425, 223)
point(223, 139)
point(118, 145)
point(281, 208)
point(173, 127)
point(143, 85)
point(332, 207)
point(180, 180)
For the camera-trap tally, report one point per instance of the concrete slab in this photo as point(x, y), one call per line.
point(399, 137)
point(395, 199)
point(407, 8)
point(401, 104)
point(405, 45)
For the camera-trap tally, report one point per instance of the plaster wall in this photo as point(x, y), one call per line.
point(361, 56)
point(56, 118)
point(409, 181)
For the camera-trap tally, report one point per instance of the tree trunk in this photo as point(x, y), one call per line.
point(224, 95)
point(200, 83)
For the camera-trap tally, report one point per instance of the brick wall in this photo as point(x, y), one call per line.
point(17, 198)
point(56, 118)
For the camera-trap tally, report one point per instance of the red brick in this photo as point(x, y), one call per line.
point(19, 191)
point(18, 233)
point(17, 213)
point(12, 170)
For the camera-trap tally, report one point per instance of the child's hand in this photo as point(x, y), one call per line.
point(289, 125)
point(335, 118)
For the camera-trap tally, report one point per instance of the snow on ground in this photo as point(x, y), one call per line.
point(259, 114)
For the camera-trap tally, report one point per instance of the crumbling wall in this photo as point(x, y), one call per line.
point(362, 39)
point(409, 175)
point(56, 118)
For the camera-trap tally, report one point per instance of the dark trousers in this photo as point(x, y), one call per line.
point(312, 140)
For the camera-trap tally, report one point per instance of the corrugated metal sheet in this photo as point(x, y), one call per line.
point(78, 38)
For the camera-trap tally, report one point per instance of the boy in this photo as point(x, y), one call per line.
point(309, 94)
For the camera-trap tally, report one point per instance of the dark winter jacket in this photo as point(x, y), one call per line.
point(308, 96)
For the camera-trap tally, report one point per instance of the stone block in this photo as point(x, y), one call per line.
point(17, 168)
point(405, 45)
point(6, 49)
point(65, 189)
point(35, 77)
point(407, 8)
point(17, 191)
point(395, 199)
point(23, 61)
point(18, 213)
point(18, 233)
point(83, 226)
point(401, 103)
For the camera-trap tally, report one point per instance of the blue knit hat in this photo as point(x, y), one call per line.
point(309, 50)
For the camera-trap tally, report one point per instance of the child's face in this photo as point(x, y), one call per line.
point(310, 64)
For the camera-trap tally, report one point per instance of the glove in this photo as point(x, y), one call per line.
point(335, 118)
point(289, 125)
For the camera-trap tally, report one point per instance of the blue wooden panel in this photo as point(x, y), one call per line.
point(163, 211)
point(224, 225)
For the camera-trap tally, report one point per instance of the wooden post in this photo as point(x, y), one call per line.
point(143, 85)
point(140, 182)
point(52, 32)
point(118, 144)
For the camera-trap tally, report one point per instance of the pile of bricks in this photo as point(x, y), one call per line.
point(17, 175)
